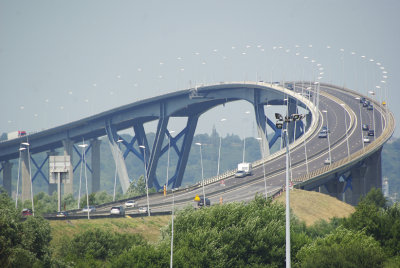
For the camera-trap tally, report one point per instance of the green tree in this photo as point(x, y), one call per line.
point(342, 248)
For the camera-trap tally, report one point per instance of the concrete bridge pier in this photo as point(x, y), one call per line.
point(95, 144)
point(25, 175)
point(68, 150)
point(357, 182)
point(7, 174)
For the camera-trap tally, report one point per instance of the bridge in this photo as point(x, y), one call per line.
point(353, 168)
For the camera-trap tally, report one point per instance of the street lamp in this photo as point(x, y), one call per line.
point(327, 134)
point(83, 146)
point(146, 178)
point(202, 171)
point(263, 153)
point(373, 110)
point(172, 227)
point(169, 148)
point(280, 125)
point(116, 166)
point(219, 148)
point(345, 129)
point(361, 123)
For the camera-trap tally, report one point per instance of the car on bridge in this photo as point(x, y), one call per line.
point(370, 107)
point(323, 134)
point(365, 127)
point(240, 174)
point(327, 161)
point(201, 202)
point(130, 204)
point(89, 209)
point(366, 103)
point(362, 100)
point(143, 210)
point(117, 210)
point(366, 139)
point(371, 132)
point(62, 214)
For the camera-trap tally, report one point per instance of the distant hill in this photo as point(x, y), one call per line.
point(311, 207)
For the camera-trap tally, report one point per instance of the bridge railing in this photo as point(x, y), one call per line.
point(293, 145)
point(366, 151)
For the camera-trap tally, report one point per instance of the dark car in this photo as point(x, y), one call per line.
point(365, 127)
point(366, 103)
point(371, 132)
point(201, 202)
point(26, 212)
point(62, 214)
point(370, 107)
point(362, 100)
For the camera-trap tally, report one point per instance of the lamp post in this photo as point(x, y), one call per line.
point(146, 178)
point(373, 110)
point(169, 148)
point(345, 129)
point(172, 228)
point(327, 134)
point(219, 148)
point(116, 167)
point(361, 122)
point(202, 172)
point(280, 125)
point(83, 146)
point(263, 153)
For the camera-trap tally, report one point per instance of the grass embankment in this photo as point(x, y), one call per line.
point(148, 227)
point(308, 206)
point(311, 207)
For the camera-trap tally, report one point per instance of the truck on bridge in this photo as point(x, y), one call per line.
point(16, 134)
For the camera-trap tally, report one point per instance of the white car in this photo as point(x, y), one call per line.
point(327, 161)
point(366, 139)
point(143, 210)
point(118, 210)
point(130, 204)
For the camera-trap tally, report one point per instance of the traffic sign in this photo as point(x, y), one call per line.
point(197, 198)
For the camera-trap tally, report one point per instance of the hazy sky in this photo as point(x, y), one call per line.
point(64, 60)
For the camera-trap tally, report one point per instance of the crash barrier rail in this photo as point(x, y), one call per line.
point(354, 157)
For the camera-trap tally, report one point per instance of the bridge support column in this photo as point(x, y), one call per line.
point(68, 149)
point(308, 121)
point(261, 120)
point(95, 143)
point(7, 172)
point(52, 186)
point(26, 178)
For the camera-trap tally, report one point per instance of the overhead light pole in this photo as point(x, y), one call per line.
point(172, 228)
point(280, 125)
point(345, 129)
point(146, 178)
point(202, 171)
point(83, 146)
point(244, 140)
point(327, 134)
point(262, 157)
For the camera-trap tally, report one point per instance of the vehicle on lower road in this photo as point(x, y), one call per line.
point(62, 214)
point(366, 139)
point(89, 209)
point(371, 132)
point(117, 210)
point(365, 127)
point(143, 210)
point(130, 204)
point(201, 202)
point(26, 212)
point(240, 174)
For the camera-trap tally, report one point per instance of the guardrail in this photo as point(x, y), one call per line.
point(354, 157)
point(293, 145)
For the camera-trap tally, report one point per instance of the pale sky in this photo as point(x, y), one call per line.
point(64, 60)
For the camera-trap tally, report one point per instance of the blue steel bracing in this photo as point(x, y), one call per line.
point(185, 150)
point(39, 169)
point(277, 133)
point(81, 158)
